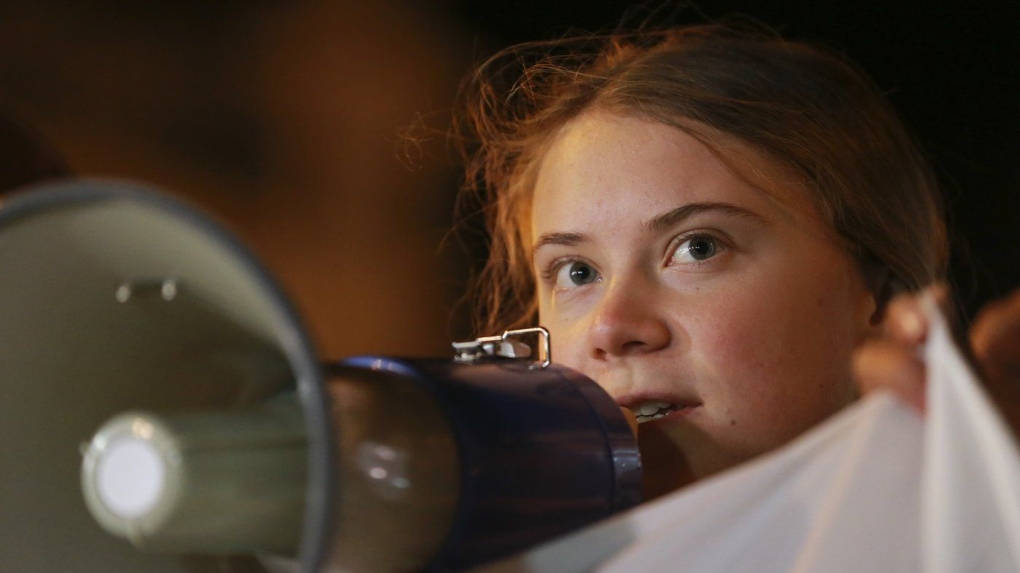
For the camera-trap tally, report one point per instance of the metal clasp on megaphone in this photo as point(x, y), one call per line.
point(506, 345)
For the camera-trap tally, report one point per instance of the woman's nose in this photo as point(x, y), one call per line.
point(628, 321)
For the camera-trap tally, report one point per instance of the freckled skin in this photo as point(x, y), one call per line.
point(759, 335)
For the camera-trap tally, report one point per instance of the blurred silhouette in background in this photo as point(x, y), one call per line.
point(26, 157)
point(279, 118)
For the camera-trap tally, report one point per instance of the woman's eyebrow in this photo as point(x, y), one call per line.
point(658, 223)
point(564, 239)
point(672, 217)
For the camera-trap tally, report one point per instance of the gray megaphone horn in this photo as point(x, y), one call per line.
point(163, 410)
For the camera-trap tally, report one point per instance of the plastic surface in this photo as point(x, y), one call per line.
point(117, 299)
point(542, 452)
point(397, 475)
point(77, 350)
point(220, 482)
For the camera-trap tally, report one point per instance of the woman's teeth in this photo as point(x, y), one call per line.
point(653, 410)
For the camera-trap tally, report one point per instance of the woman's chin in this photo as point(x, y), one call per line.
point(664, 465)
point(673, 458)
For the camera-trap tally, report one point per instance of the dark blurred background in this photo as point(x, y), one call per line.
point(282, 119)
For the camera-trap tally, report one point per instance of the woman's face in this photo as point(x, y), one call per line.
point(724, 316)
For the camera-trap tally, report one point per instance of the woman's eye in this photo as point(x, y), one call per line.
point(577, 273)
point(697, 248)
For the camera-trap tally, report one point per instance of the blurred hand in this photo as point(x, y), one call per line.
point(995, 340)
point(893, 360)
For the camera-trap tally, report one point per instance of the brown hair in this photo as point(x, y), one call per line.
point(807, 110)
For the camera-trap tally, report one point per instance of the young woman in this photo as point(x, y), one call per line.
point(711, 222)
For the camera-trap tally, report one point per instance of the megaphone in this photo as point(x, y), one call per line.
point(163, 410)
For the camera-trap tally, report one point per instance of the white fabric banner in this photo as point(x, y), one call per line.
point(876, 488)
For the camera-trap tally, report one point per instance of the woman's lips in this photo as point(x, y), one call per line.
point(649, 410)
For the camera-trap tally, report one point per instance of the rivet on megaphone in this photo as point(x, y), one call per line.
point(167, 289)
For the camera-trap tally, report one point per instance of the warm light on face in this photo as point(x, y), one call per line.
point(671, 281)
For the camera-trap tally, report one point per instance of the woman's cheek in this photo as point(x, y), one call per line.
point(567, 338)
